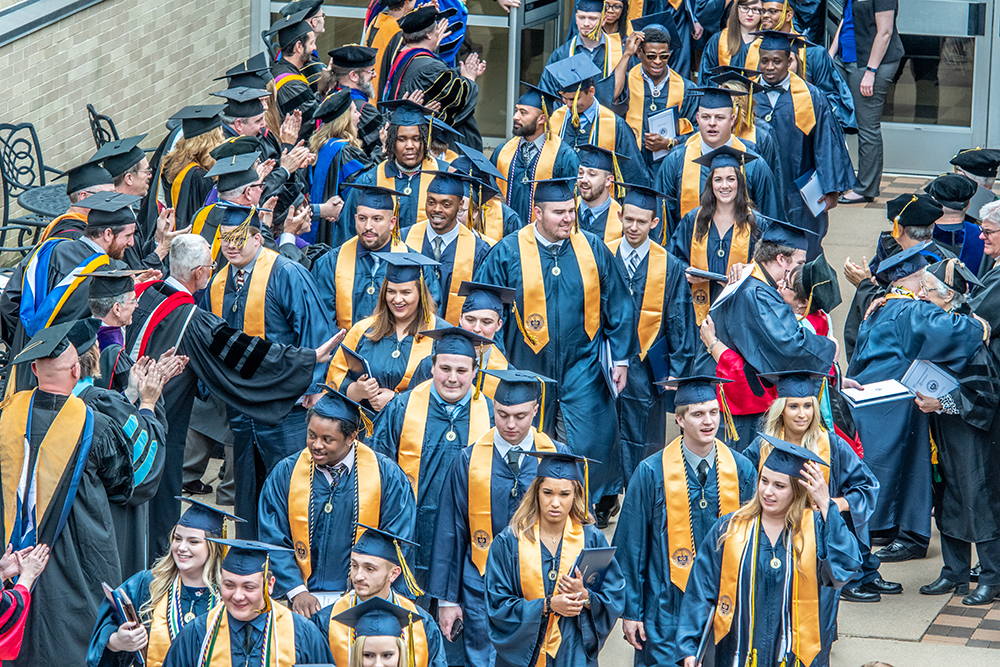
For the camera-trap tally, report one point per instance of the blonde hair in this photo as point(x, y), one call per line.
point(774, 425)
point(801, 503)
point(385, 322)
point(741, 107)
point(165, 570)
point(358, 647)
point(340, 127)
point(527, 513)
point(192, 150)
point(272, 117)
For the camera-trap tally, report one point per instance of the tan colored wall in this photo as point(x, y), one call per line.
point(138, 62)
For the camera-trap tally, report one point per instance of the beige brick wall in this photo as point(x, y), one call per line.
point(137, 62)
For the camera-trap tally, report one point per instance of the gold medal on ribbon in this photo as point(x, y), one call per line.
point(328, 507)
point(775, 563)
point(450, 436)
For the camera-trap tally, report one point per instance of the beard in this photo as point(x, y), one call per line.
point(368, 89)
point(526, 129)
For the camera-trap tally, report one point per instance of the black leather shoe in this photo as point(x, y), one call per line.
point(197, 488)
point(884, 587)
point(982, 595)
point(897, 553)
point(942, 586)
point(605, 510)
point(859, 594)
point(859, 200)
point(974, 572)
point(881, 541)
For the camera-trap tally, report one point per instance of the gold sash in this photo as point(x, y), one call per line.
point(385, 27)
point(215, 649)
point(529, 556)
point(615, 227)
point(805, 115)
point(492, 219)
point(411, 437)
point(385, 181)
point(419, 349)
point(369, 488)
point(753, 55)
point(680, 541)
point(543, 167)
point(54, 454)
point(286, 79)
point(651, 311)
point(739, 253)
point(341, 636)
point(690, 197)
point(535, 309)
point(253, 312)
point(175, 187)
point(71, 215)
point(199, 224)
point(347, 260)
point(159, 634)
point(465, 255)
point(724, 55)
point(496, 362)
point(601, 134)
point(637, 101)
point(480, 503)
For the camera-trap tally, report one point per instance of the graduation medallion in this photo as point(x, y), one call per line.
point(328, 507)
point(552, 575)
point(450, 436)
point(371, 289)
point(556, 270)
point(235, 304)
point(775, 563)
point(188, 617)
point(652, 106)
point(395, 354)
point(768, 118)
point(703, 503)
point(656, 92)
point(721, 252)
point(407, 190)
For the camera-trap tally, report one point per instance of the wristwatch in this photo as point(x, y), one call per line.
point(873, 70)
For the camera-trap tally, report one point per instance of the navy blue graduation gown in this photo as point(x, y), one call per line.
point(710, 55)
point(966, 245)
point(633, 169)
point(680, 247)
point(644, 553)
point(604, 87)
point(455, 578)
point(642, 405)
point(566, 165)
point(570, 357)
point(762, 186)
point(311, 647)
point(194, 600)
point(895, 434)
point(331, 534)
point(437, 454)
point(688, 109)
point(838, 559)
point(442, 274)
point(822, 73)
point(517, 626)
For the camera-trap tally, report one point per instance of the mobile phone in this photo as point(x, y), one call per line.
point(456, 630)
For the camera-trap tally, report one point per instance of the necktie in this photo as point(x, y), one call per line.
point(529, 150)
point(633, 264)
point(248, 641)
point(241, 278)
point(438, 244)
point(703, 472)
point(513, 458)
point(336, 472)
point(586, 217)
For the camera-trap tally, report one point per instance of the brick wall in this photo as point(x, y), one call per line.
point(137, 62)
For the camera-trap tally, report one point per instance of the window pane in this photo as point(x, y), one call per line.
point(933, 85)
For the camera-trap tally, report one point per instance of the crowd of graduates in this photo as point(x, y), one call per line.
point(444, 380)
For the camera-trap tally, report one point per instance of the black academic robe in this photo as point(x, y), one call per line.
point(964, 242)
point(294, 95)
point(65, 599)
point(194, 190)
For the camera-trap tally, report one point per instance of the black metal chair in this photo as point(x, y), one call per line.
point(101, 126)
point(23, 170)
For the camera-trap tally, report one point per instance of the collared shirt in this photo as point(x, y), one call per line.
point(693, 459)
point(627, 251)
point(249, 267)
point(176, 284)
point(348, 462)
point(446, 238)
point(236, 626)
point(599, 209)
point(451, 406)
point(552, 245)
point(93, 245)
point(503, 447)
point(656, 86)
point(590, 115)
point(772, 95)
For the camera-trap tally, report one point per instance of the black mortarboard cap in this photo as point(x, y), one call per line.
point(796, 384)
point(517, 387)
point(642, 196)
point(481, 162)
point(662, 21)
point(919, 210)
point(421, 18)
point(310, 7)
point(775, 40)
point(784, 233)
point(589, 5)
point(405, 113)
point(246, 557)
point(978, 161)
point(442, 131)
point(244, 102)
point(554, 189)
point(290, 28)
point(335, 405)
point(455, 340)
point(334, 105)
point(235, 215)
point(380, 544)
point(111, 283)
point(352, 56)
point(448, 183)
point(83, 334)
point(821, 284)
point(595, 157)
point(47, 343)
point(953, 191)
point(483, 296)
point(726, 74)
point(572, 72)
point(786, 458)
point(199, 119)
point(202, 516)
point(955, 274)
point(713, 97)
point(533, 97)
point(85, 176)
point(404, 267)
point(694, 389)
point(120, 155)
point(375, 196)
point(235, 146)
point(109, 209)
point(725, 156)
point(375, 617)
point(560, 465)
point(903, 263)
point(253, 73)
point(235, 171)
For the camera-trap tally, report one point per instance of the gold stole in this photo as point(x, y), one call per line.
point(385, 181)
point(369, 487)
point(753, 55)
point(805, 115)
point(419, 348)
point(198, 224)
point(100, 260)
point(739, 253)
point(496, 362)
point(286, 79)
point(690, 197)
point(480, 504)
point(347, 260)
point(215, 649)
point(604, 126)
point(465, 255)
point(529, 557)
point(491, 216)
point(805, 587)
point(614, 228)
point(543, 167)
point(680, 542)
point(535, 312)
point(54, 454)
point(637, 101)
point(724, 55)
point(341, 636)
point(651, 311)
point(159, 633)
point(385, 27)
point(71, 215)
point(411, 437)
point(175, 187)
point(253, 313)
point(613, 47)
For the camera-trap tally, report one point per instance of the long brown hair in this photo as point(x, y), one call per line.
point(744, 217)
point(164, 572)
point(385, 322)
point(272, 117)
point(192, 150)
point(340, 127)
point(734, 36)
point(527, 513)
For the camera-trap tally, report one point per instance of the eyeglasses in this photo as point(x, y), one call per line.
point(256, 185)
point(206, 266)
point(749, 10)
point(988, 232)
point(613, 7)
point(661, 57)
point(769, 12)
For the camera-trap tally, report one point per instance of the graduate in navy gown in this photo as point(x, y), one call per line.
point(424, 429)
point(247, 625)
point(896, 434)
point(181, 585)
point(537, 601)
point(589, 39)
point(382, 633)
point(489, 216)
point(665, 327)
point(808, 136)
point(672, 501)
point(599, 212)
point(569, 288)
point(771, 610)
point(485, 486)
point(377, 562)
point(311, 501)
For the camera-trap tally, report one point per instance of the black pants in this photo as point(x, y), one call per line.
point(957, 555)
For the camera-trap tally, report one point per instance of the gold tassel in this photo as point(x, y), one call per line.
point(541, 406)
point(596, 33)
point(586, 483)
point(238, 236)
point(408, 578)
point(727, 416)
point(548, 131)
point(809, 301)
point(619, 191)
point(425, 299)
point(663, 222)
point(366, 423)
point(410, 649)
point(575, 113)
point(267, 598)
point(479, 374)
point(394, 234)
point(531, 340)
point(576, 209)
point(469, 221)
point(895, 221)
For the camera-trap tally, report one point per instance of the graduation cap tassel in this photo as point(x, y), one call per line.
point(367, 424)
point(541, 407)
point(895, 221)
point(809, 302)
point(425, 299)
point(531, 340)
point(663, 222)
point(619, 190)
point(479, 375)
point(586, 483)
point(395, 228)
point(727, 416)
point(408, 578)
point(575, 113)
point(239, 235)
point(595, 34)
point(576, 206)
point(822, 389)
point(469, 217)
point(545, 110)
point(267, 598)
point(410, 649)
